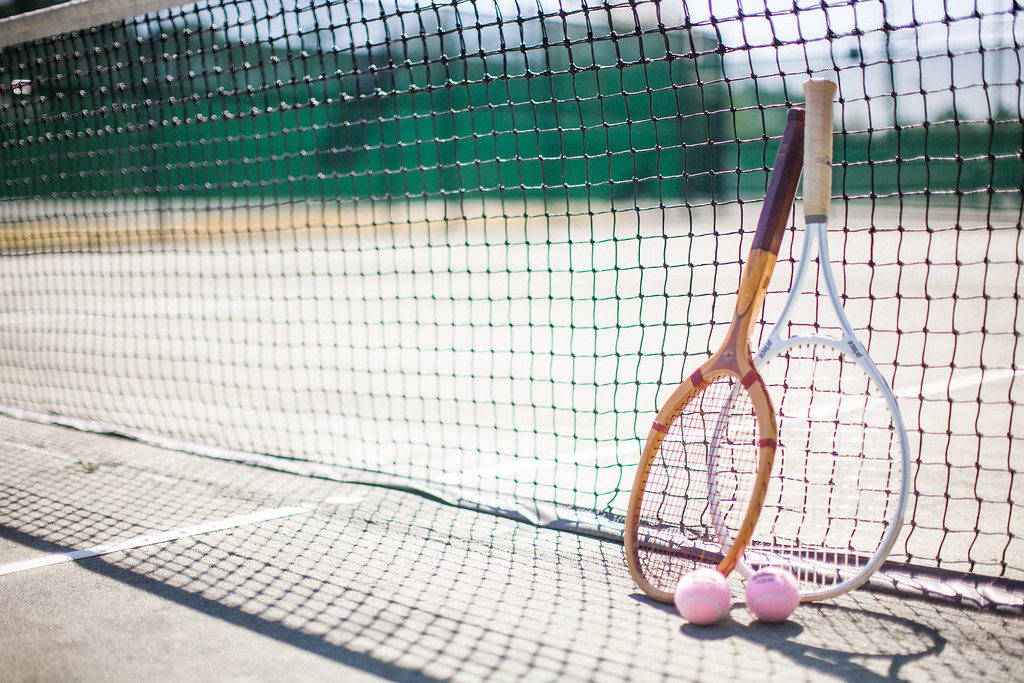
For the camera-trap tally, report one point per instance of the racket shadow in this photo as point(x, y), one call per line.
point(853, 643)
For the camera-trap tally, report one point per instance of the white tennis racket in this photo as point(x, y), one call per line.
point(835, 502)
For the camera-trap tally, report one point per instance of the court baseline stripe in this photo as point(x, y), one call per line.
point(151, 539)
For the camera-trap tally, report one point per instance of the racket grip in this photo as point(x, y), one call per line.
point(819, 94)
point(778, 200)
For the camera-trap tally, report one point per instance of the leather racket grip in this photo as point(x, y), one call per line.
point(778, 201)
point(819, 94)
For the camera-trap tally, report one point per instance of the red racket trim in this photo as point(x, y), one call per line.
point(750, 378)
point(734, 359)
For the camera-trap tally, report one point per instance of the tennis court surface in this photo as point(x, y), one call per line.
point(314, 579)
point(330, 332)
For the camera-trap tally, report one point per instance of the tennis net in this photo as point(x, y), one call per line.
point(466, 248)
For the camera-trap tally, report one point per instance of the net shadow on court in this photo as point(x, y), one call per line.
point(335, 577)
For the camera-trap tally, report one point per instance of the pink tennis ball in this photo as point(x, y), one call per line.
point(703, 596)
point(772, 594)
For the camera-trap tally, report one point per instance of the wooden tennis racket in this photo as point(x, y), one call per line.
point(708, 458)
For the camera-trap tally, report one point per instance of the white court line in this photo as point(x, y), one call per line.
point(344, 500)
point(935, 388)
point(43, 451)
point(938, 386)
point(602, 454)
point(150, 539)
point(587, 457)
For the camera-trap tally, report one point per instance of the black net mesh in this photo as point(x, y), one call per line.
point(468, 248)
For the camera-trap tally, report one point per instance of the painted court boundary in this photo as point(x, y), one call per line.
point(151, 539)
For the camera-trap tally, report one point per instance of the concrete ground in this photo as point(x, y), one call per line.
point(202, 569)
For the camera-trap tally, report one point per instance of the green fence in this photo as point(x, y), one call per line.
point(646, 116)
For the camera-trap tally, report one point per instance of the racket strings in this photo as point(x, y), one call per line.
point(835, 489)
point(699, 484)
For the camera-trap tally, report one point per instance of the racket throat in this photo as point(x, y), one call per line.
point(750, 299)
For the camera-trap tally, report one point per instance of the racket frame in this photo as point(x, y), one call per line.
point(815, 241)
point(732, 359)
point(848, 345)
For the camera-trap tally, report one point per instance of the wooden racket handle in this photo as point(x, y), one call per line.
point(778, 200)
point(819, 94)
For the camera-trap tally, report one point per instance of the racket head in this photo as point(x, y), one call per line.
point(835, 505)
point(702, 478)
